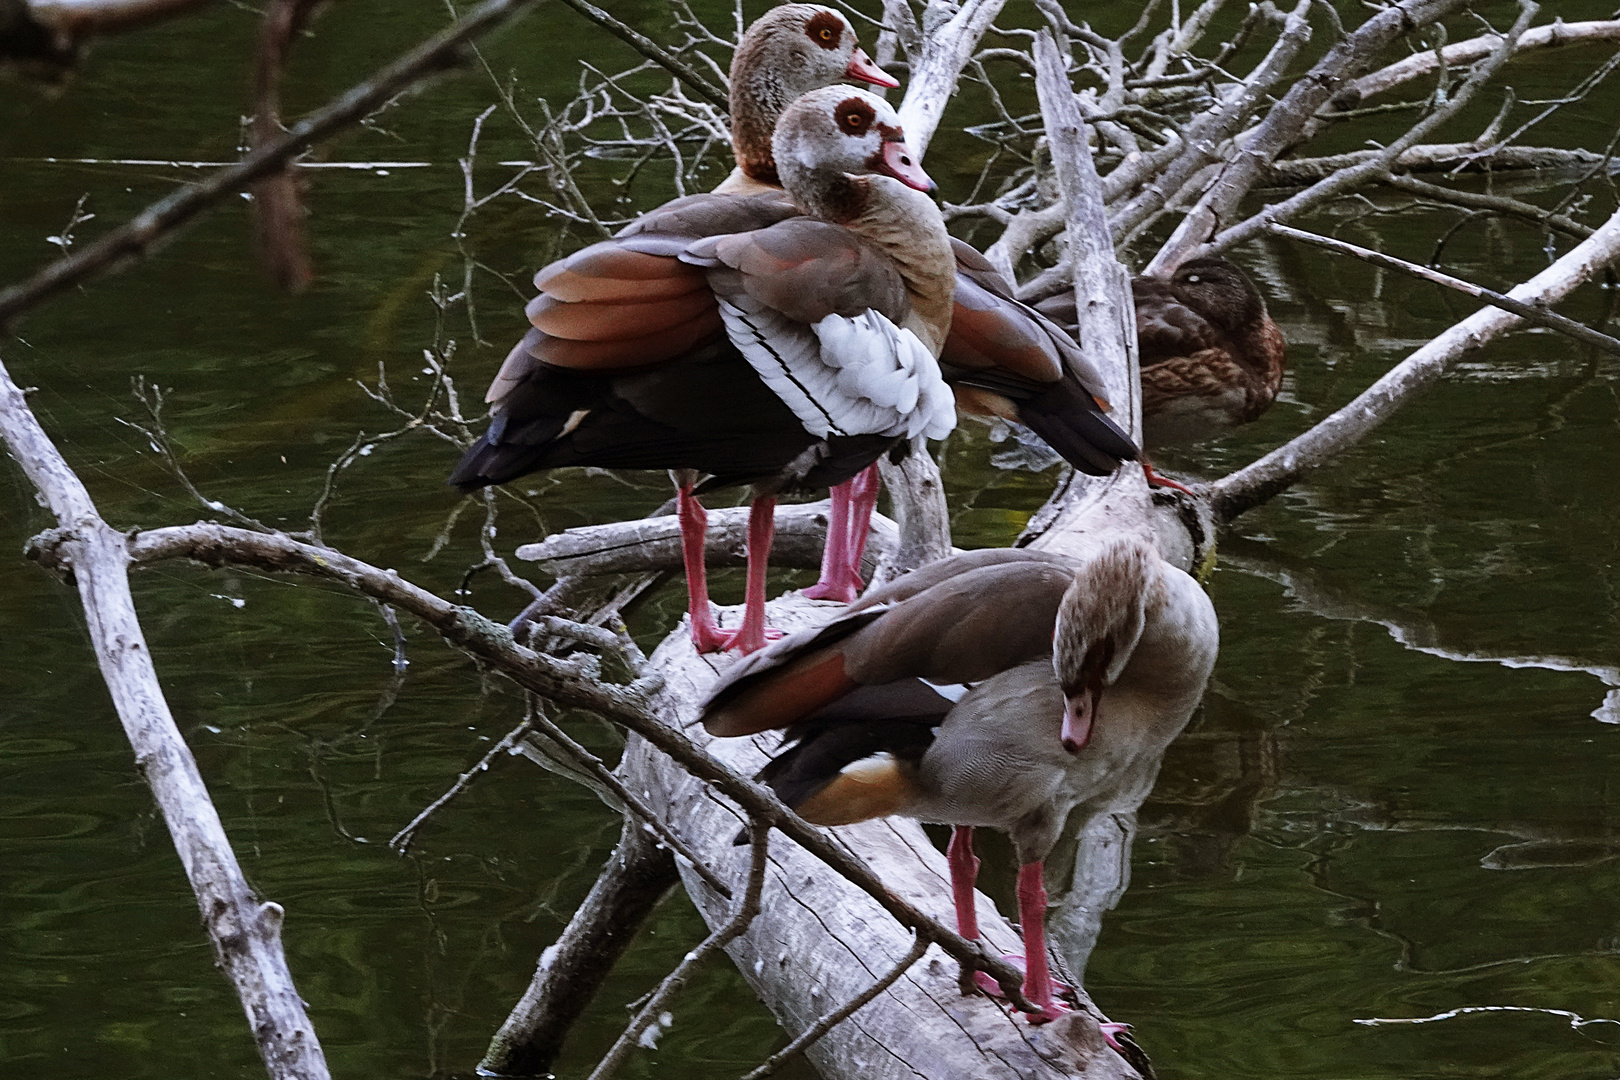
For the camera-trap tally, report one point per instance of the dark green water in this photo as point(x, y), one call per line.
point(1353, 828)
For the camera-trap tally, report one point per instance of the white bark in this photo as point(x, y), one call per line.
point(245, 931)
point(1423, 63)
point(655, 543)
point(950, 36)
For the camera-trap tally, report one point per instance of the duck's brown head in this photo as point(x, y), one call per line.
point(788, 52)
point(1098, 625)
point(1219, 291)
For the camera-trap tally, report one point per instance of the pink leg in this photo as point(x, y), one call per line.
point(694, 528)
point(1038, 984)
point(964, 872)
point(1032, 913)
point(863, 500)
point(835, 555)
point(753, 633)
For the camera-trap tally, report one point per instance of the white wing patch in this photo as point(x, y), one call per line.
point(860, 376)
point(948, 691)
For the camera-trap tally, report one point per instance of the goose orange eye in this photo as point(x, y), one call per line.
point(825, 34)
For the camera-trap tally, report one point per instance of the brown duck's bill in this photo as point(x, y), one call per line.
point(861, 67)
point(900, 163)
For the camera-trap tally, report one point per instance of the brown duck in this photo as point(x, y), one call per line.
point(1211, 356)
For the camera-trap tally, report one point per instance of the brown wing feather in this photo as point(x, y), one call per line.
point(1166, 327)
point(665, 343)
point(1204, 373)
point(989, 332)
point(711, 214)
point(967, 628)
point(609, 272)
point(809, 269)
point(784, 696)
point(617, 320)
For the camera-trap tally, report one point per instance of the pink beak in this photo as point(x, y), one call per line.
point(899, 163)
point(861, 67)
point(1077, 716)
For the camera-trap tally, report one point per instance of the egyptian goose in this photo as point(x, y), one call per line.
point(1002, 358)
point(1211, 356)
point(1004, 688)
point(783, 341)
point(787, 52)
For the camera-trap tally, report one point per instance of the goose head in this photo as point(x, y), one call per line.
point(836, 146)
point(789, 51)
point(1099, 623)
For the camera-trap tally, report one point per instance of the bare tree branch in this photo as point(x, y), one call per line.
point(1257, 482)
point(245, 931)
point(158, 222)
point(1423, 63)
point(655, 52)
point(570, 682)
point(1529, 312)
point(1353, 176)
point(1289, 117)
point(950, 34)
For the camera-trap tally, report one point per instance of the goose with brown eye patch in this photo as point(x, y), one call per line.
point(743, 339)
point(788, 52)
point(1007, 688)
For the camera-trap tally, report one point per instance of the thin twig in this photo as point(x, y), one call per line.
point(140, 234)
point(1529, 312)
point(401, 841)
point(655, 52)
point(642, 1028)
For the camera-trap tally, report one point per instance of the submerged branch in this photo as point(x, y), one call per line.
point(138, 236)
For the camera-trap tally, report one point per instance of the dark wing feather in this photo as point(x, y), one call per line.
point(960, 620)
point(627, 307)
point(1005, 358)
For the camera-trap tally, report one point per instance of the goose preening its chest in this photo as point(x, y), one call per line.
point(742, 337)
point(1009, 689)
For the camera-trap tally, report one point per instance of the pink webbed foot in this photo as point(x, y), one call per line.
point(840, 589)
point(708, 638)
point(749, 639)
point(1155, 480)
point(1048, 1010)
point(1110, 1031)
